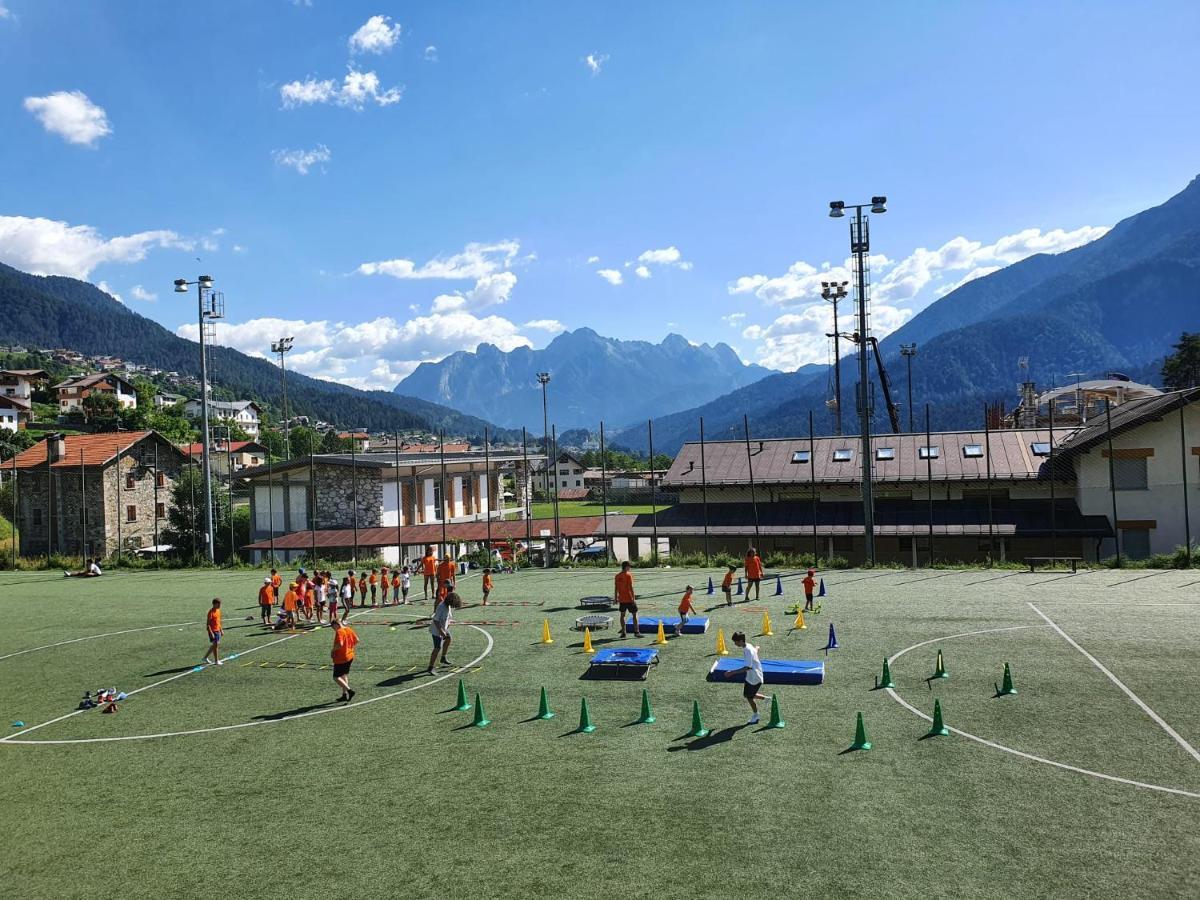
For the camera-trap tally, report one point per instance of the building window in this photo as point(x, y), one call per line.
point(1135, 542)
point(160, 479)
point(160, 510)
point(437, 500)
point(843, 454)
point(928, 452)
point(973, 451)
point(130, 513)
point(35, 515)
point(1040, 448)
point(1130, 475)
point(130, 482)
point(800, 456)
point(885, 453)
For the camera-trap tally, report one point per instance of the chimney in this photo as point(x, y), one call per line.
point(56, 447)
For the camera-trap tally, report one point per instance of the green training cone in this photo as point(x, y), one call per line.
point(585, 718)
point(1006, 686)
point(885, 680)
point(481, 720)
point(860, 736)
point(776, 721)
point(939, 728)
point(698, 729)
point(647, 717)
point(461, 705)
point(939, 670)
point(544, 707)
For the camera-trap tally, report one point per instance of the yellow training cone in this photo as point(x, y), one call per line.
point(766, 629)
point(662, 635)
point(722, 650)
point(587, 641)
point(799, 623)
point(546, 639)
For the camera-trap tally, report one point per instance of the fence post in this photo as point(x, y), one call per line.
point(750, 468)
point(653, 493)
point(812, 475)
point(604, 492)
point(929, 479)
point(704, 493)
point(1187, 525)
point(987, 450)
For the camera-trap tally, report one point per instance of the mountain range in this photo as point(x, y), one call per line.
point(1116, 304)
point(592, 378)
point(52, 311)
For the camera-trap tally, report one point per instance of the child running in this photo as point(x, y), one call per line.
point(344, 642)
point(809, 584)
point(685, 607)
point(727, 586)
point(213, 624)
point(753, 671)
point(439, 629)
point(266, 599)
point(487, 585)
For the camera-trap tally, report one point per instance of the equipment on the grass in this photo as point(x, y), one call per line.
point(711, 589)
point(776, 721)
point(775, 671)
point(546, 639)
point(833, 644)
point(647, 716)
point(544, 707)
point(461, 704)
point(18, 724)
point(585, 718)
point(799, 623)
point(738, 592)
point(821, 589)
point(939, 670)
point(480, 720)
point(939, 728)
point(1006, 686)
point(622, 662)
point(587, 641)
point(694, 625)
point(722, 650)
point(766, 625)
point(778, 585)
point(698, 730)
point(596, 602)
point(860, 736)
point(661, 637)
point(885, 680)
point(594, 622)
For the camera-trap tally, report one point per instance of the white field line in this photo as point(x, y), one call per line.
point(92, 637)
point(1021, 753)
point(1159, 720)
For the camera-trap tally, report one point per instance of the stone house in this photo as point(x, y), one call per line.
point(88, 494)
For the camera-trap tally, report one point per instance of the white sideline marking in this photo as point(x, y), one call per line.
point(16, 738)
point(92, 637)
point(1021, 753)
point(1117, 681)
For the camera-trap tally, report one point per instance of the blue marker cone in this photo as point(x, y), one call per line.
point(821, 590)
point(711, 589)
point(18, 724)
point(738, 592)
point(833, 644)
point(778, 586)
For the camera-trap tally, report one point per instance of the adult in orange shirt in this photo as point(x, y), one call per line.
point(625, 597)
point(344, 642)
point(213, 624)
point(754, 572)
point(429, 570)
point(266, 599)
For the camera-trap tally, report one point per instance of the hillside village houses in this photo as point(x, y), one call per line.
point(244, 413)
point(73, 391)
point(16, 396)
point(225, 457)
point(88, 494)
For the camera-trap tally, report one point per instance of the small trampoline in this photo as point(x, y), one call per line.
point(649, 624)
point(595, 602)
point(775, 671)
point(594, 621)
point(630, 663)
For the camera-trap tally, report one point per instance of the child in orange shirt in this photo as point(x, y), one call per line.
point(213, 624)
point(362, 589)
point(266, 599)
point(487, 585)
point(395, 587)
point(727, 586)
point(374, 582)
point(310, 600)
point(809, 585)
point(685, 607)
point(289, 605)
point(344, 642)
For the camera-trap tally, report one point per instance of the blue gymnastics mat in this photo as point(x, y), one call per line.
point(622, 662)
point(775, 671)
point(649, 624)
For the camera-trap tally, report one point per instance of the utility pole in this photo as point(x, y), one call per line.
point(282, 346)
point(544, 379)
point(210, 305)
point(908, 351)
point(833, 291)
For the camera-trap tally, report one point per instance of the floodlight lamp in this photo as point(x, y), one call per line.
point(206, 281)
point(878, 205)
point(836, 209)
point(181, 285)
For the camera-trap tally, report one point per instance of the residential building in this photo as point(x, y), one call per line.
point(362, 440)
point(1075, 404)
point(568, 471)
point(75, 390)
point(224, 456)
point(15, 413)
point(165, 398)
point(88, 494)
point(246, 414)
point(21, 383)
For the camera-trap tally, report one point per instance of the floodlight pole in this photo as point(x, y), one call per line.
point(282, 346)
point(544, 379)
point(204, 282)
point(833, 292)
point(908, 351)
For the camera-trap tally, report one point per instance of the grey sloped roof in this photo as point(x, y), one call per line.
point(1125, 417)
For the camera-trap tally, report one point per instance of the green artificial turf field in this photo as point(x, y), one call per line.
point(396, 796)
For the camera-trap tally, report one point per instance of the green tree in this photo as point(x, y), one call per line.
point(273, 441)
point(13, 442)
point(98, 405)
point(304, 440)
point(185, 526)
point(331, 443)
point(1182, 368)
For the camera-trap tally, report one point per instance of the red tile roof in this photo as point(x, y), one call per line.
point(96, 450)
point(197, 449)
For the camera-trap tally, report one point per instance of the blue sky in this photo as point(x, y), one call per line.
point(391, 182)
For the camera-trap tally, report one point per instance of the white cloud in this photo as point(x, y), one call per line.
point(642, 272)
point(552, 326)
point(238, 248)
point(490, 290)
point(430, 54)
point(103, 285)
point(474, 262)
point(668, 256)
point(137, 292)
point(734, 320)
point(612, 276)
point(376, 35)
point(71, 115)
point(900, 289)
point(49, 247)
point(5, 12)
point(356, 89)
point(595, 62)
point(592, 260)
point(303, 160)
